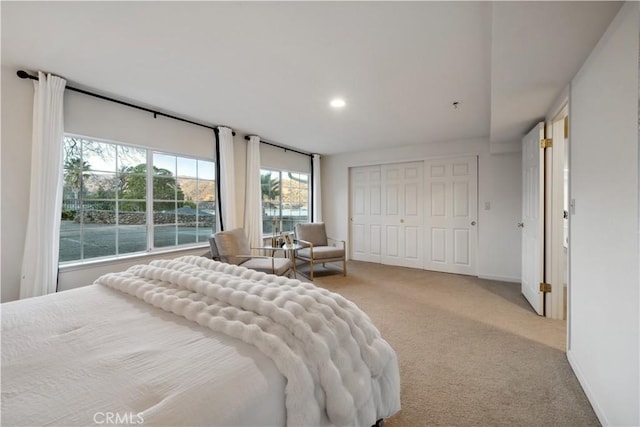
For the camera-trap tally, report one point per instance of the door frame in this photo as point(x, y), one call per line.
point(557, 127)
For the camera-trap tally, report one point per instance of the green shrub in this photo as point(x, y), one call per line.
point(68, 214)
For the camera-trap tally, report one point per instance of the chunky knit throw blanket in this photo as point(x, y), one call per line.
point(338, 368)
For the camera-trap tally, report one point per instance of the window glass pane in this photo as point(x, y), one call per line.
point(132, 213)
point(204, 233)
point(70, 241)
point(189, 189)
point(132, 186)
point(72, 148)
point(164, 235)
point(98, 240)
point(164, 164)
point(206, 220)
point(206, 170)
point(132, 238)
point(99, 185)
point(98, 212)
point(165, 188)
point(187, 233)
point(164, 212)
point(207, 213)
point(187, 167)
point(100, 156)
point(131, 157)
point(185, 214)
point(75, 171)
point(206, 191)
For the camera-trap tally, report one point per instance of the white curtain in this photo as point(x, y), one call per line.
point(253, 194)
point(317, 193)
point(227, 179)
point(40, 259)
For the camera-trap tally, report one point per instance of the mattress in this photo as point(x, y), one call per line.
point(94, 355)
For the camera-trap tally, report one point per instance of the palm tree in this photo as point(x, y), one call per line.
point(270, 187)
point(75, 172)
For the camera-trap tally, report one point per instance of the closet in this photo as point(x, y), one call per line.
point(416, 214)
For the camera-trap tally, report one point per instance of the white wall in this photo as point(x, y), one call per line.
point(604, 257)
point(17, 110)
point(499, 184)
point(277, 158)
point(89, 117)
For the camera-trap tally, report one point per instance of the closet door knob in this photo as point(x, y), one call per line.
point(473, 223)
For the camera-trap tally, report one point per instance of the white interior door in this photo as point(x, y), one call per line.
point(533, 217)
point(402, 215)
point(451, 212)
point(365, 209)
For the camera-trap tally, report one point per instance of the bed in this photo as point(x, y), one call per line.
point(193, 341)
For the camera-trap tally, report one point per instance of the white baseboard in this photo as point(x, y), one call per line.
point(587, 390)
point(500, 278)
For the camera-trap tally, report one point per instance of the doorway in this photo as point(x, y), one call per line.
point(546, 210)
point(558, 220)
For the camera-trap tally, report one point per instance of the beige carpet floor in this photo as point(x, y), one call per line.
point(472, 352)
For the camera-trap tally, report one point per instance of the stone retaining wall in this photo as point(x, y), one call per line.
point(139, 218)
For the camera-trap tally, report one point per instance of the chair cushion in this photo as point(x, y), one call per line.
point(321, 252)
point(230, 243)
point(280, 265)
point(314, 233)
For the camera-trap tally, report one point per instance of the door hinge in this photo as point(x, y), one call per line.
point(545, 287)
point(546, 143)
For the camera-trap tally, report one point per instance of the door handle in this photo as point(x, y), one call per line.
point(521, 224)
point(402, 221)
point(473, 223)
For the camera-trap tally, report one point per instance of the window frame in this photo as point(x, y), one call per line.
point(149, 212)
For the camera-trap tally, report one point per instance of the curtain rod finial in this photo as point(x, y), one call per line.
point(23, 74)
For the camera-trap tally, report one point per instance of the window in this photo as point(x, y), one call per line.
point(285, 200)
point(104, 208)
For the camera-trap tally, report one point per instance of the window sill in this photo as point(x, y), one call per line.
point(99, 262)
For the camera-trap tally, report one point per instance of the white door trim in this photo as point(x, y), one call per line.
point(555, 300)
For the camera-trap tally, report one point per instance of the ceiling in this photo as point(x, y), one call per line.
point(271, 68)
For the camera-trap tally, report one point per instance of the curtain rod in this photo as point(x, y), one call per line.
point(24, 75)
point(282, 147)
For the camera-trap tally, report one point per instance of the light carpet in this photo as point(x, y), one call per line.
point(472, 352)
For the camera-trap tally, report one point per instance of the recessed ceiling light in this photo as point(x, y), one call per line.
point(337, 103)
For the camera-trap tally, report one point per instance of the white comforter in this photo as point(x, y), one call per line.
point(338, 369)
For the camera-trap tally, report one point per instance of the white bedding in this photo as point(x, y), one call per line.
point(91, 351)
point(148, 346)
